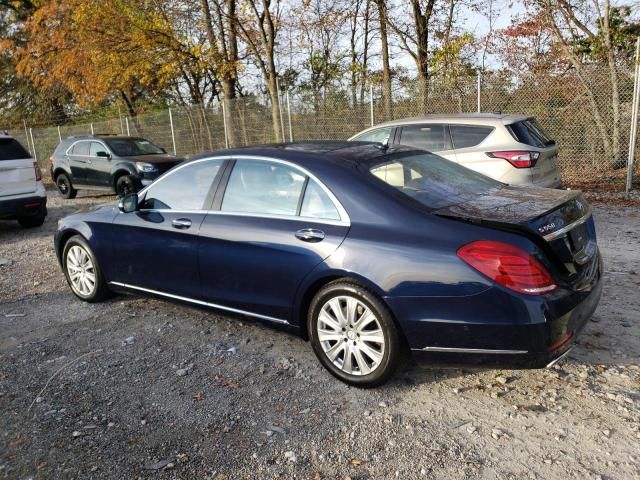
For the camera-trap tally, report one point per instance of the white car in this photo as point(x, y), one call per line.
point(22, 194)
point(512, 149)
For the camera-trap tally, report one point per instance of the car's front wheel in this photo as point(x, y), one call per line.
point(65, 187)
point(82, 271)
point(353, 334)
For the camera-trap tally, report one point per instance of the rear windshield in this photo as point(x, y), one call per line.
point(129, 147)
point(531, 133)
point(432, 180)
point(10, 149)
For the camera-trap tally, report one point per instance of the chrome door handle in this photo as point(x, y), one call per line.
point(181, 223)
point(310, 235)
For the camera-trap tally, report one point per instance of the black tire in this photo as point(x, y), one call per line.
point(125, 185)
point(100, 291)
point(65, 187)
point(32, 221)
point(392, 346)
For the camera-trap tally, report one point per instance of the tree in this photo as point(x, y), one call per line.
point(383, 19)
point(259, 30)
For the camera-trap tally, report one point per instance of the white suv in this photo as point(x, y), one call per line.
point(512, 149)
point(22, 194)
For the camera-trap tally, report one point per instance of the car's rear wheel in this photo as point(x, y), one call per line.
point(353, 334)
point(33, 220)
point(65, 187)
point(83, 272)
point(125, 185)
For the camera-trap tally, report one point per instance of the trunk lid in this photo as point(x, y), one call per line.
point(17, 177)
point(557, 220)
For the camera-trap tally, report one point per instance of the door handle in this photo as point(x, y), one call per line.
point(181, 223)
point(310, 235)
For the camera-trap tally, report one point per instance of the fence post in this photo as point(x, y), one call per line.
point(126, 121)
point(91, 125)
point(371, 102)
point(478, 88)
point(35, 155)
point(173, 135)
point(224, 124)
point(26, 135)
point(120, 118)
point(289, 115)
point(280, 108)
point(635, 105)
point(59, 134)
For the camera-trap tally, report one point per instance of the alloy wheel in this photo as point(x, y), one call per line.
point(350, 335)
point(81, 271)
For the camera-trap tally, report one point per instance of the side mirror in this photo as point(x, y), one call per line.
point(128, 203)
point(103, 154)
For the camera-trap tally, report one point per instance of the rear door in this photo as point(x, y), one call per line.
point(467, 142)
point(272, 226)
point(17, 173)
point(79, 161)
point(432, 137)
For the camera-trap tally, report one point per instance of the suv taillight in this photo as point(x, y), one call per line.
point(517, 158)
point(36, 167)
point(509, 266)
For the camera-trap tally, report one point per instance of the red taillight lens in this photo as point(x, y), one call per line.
point(36, 167)
point(517, 158)
point(509, 266)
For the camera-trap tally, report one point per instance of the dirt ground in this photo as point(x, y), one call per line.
point(142, 388)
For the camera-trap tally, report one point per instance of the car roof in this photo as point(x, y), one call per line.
point(103, 136)
point(491, 119)
point(340, 152)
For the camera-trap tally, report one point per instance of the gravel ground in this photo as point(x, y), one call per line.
point(142, 388)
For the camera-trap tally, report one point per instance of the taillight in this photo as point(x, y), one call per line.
point(517, 158)
point(36, 167)
point(509, 266)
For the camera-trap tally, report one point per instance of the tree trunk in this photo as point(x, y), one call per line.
point(615, 94)
point(421, 21)
point(386, 69)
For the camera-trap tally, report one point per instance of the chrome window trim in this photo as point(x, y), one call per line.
point(559, 233)
point(66, 152)
point(345, 220)
point(200, 302)
point(468, 350)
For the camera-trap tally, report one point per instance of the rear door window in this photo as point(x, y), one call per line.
point(10, 149)
point(466, 136)
point(433, 138)
point(530, 132)
point(263, 187)
point(432, 180)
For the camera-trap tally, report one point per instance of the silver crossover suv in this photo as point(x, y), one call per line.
point(513, 149)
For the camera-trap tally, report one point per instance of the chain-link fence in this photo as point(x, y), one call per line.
point(590, 123)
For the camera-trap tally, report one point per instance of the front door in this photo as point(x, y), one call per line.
point(78, 156)
point(157, 245)
point(99, 172)
point(271, 228)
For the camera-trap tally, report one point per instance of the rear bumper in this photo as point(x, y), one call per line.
point(24, 205)
point(541, 330)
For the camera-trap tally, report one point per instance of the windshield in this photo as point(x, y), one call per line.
point(432, 180)
point(130, 147)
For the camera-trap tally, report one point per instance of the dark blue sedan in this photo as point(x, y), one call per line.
point(366, 250)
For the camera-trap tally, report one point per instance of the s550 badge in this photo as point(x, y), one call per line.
point(547, 228)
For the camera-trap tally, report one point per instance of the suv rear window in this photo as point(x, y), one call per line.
point(531, 133)
point(10, 149)
point(432, 180)
point(465, 136)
